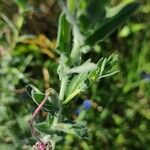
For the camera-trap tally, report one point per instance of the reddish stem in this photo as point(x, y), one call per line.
point(35, 114)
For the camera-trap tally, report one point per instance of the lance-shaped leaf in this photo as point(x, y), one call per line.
point(73, 128)
point(84, 68)
point(76, 85)
point(111, 22)
point(92, 15)
point(105, 67)
point(64, 35)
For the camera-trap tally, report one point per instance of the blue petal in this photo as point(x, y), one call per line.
point(87, 104)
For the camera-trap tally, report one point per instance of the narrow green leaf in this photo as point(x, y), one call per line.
point(91, 17)
point(64, 35)
point(96, 12)
point(105, 67)
point(76, 86)
point(31, 87)
point(110, 24)
point(72, 95)
point(108, 74)
point(73, 128)
point(84, 68)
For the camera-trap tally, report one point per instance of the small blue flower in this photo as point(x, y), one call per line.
point(87, 104)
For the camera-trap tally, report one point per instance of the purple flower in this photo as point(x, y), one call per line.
point(87, 104)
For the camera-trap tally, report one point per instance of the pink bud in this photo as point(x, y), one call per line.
point(40, 146)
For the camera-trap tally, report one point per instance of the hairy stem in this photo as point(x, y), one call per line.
point(63, 88)
point(61, 98)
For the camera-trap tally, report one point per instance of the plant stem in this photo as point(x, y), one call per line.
point(57, 118)
point(62, 88)
point(35, 113)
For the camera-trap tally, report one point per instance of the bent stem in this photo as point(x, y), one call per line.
point(35, 114)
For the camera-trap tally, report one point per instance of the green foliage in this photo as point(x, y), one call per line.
point(51, 105)
point(106, 68)
point(88, 34)
point(64, 35)
point(114, 17)
point(76, 86)
point(64, 128)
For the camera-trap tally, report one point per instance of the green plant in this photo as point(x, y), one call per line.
point(82, 25)
point(11, 74)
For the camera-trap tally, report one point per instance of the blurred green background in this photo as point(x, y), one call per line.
point(119, 118)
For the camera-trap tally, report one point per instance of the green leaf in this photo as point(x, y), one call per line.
point(80, 130)
point(44, 127)
point(60, 129)
point(64, 128)
point(108, 74)
point(105, 67)
point(84, 68)
point(64, 35)
point(96, 12)
point(93, 75)
point(73, 128)
point(110, 24)
point(76, 86)
point(92, 16)
point(51, 104)
point(31, 87)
